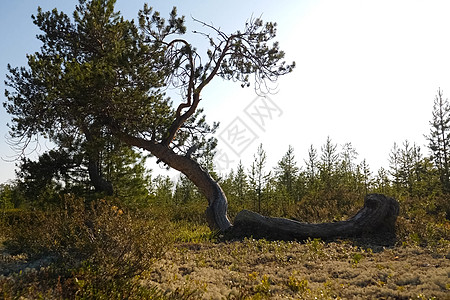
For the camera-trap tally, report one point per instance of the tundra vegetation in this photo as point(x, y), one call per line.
point(88, 220)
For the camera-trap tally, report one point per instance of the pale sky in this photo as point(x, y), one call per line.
point(367, 73)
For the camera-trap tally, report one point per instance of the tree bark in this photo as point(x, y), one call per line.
point(216, 213)
point(100, 184)
point(377, 216)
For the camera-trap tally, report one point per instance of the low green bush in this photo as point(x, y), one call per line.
point(98, 250)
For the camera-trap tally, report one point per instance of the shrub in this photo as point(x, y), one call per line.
point(98, 248)
point(419, 226)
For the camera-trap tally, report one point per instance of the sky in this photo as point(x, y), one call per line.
point(366, 73)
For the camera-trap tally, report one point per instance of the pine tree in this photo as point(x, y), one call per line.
point(185, 191)
point(381, 181)
point(258, 178)
point(87, 66)
point(286, 173)
point(394, 166)
point(407, 168)
point(439, 139)
point(163, 189)
point(328, 161)
point(364, 174)
point(98, 76)
point(6, 196)
point(240, 183)
point(347, 165)
point(125, 169)
point(312, 166)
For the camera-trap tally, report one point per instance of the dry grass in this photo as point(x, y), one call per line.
point(314, 270)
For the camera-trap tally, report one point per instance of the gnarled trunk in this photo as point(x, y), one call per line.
point(216, 213)
point(377, 216)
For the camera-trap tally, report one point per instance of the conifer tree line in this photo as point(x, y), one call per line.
point(329, 184)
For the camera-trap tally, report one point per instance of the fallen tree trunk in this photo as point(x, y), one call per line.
point(377, 216)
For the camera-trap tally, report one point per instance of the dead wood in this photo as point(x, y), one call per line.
point(378, 216)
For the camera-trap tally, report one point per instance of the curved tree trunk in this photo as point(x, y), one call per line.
point(377, 216)
point(216, 213)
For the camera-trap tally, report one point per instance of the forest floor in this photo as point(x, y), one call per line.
point(259, 269)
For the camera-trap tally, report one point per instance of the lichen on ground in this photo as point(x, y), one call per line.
point(259, 269)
